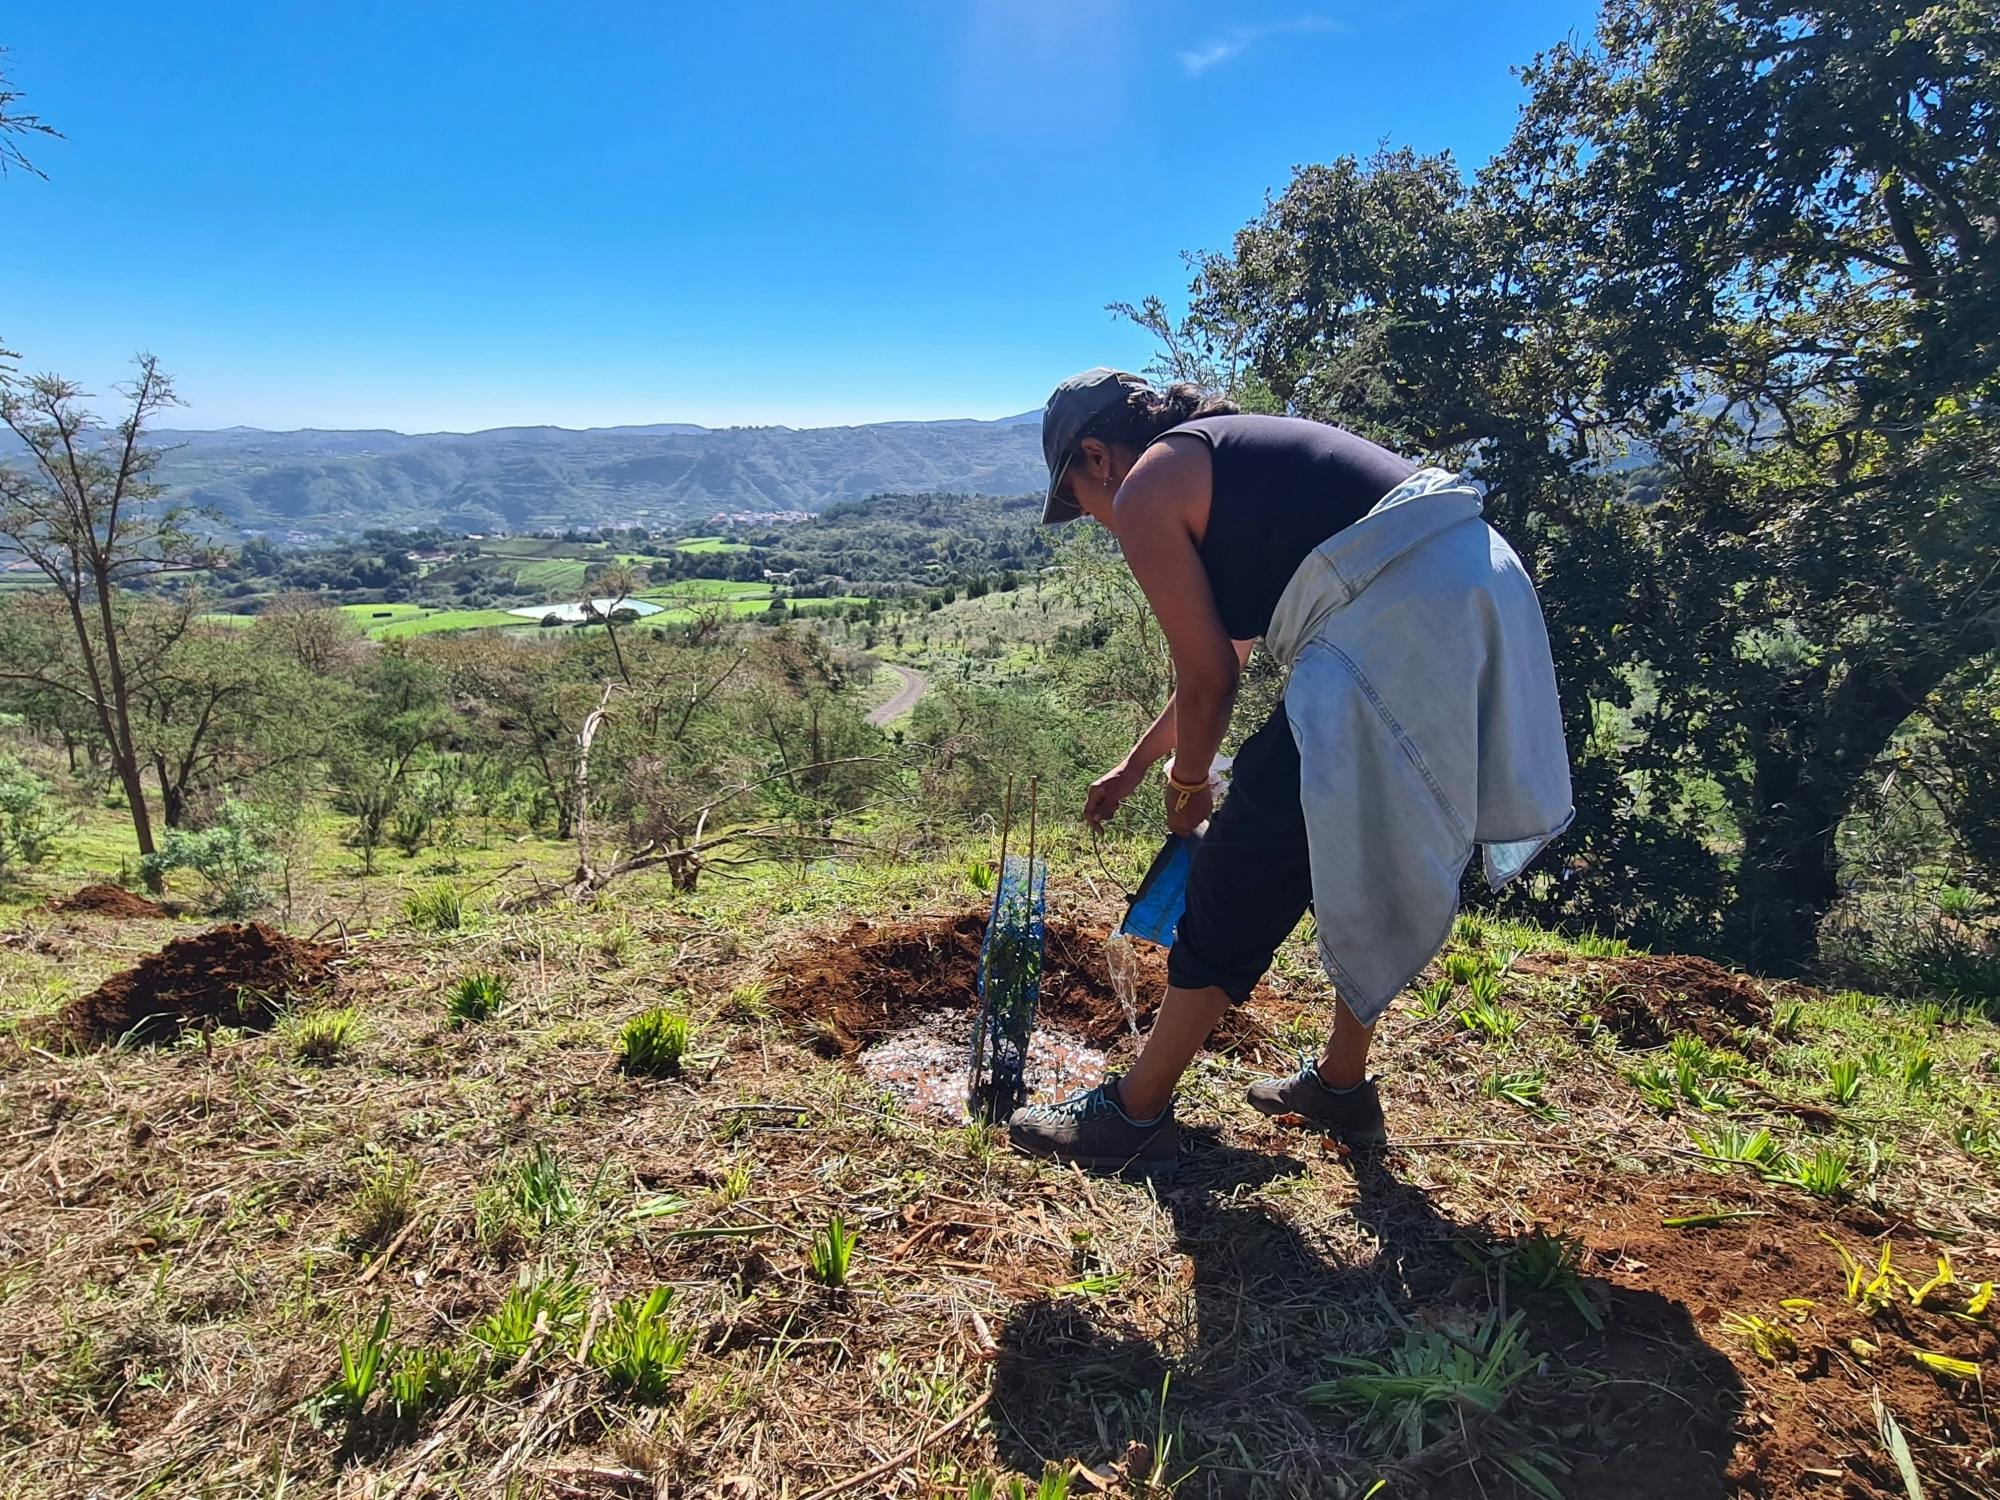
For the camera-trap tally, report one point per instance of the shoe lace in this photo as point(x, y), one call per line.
point(1087, 1104)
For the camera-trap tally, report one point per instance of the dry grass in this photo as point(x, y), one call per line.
point(188, 1235)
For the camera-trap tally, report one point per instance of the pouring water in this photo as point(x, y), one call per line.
point(1121, 962)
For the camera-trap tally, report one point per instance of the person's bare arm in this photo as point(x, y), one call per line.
point(1157, 743)
point(1108, 793)
point(1161, 508)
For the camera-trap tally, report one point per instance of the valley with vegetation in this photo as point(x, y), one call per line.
point(492, 925)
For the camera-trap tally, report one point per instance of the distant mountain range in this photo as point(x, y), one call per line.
point(311, 483)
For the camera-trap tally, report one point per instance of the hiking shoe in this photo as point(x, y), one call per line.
point(1353, 1114)
point(1092, 1131)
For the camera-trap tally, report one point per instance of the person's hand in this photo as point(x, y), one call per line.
point(1187, 811)
point(1108, 793)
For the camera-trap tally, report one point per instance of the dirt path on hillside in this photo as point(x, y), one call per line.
point(915, 684)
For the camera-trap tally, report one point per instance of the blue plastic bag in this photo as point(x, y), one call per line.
point(1155, 912)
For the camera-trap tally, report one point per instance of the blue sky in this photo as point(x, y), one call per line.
point(448, 216)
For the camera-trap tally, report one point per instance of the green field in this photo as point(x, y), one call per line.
point(529, 548)
point(707, 588)
point(703, 545)
point(555, 575)
point(373, 617)
point(746, 608)
point(438, 621)
point(387, 622)
point(1561, 1202)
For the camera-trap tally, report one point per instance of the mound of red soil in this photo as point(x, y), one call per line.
point(1649, 998)
point(109, 901)
point(233, 975)
point(853, 989)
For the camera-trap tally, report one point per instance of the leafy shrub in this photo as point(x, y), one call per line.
point(29, 819)
point(410, 827)
point(237, 856)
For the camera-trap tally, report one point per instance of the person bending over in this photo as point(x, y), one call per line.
point(1419, 720)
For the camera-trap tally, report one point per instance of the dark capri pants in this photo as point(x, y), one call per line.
point(1251, 876)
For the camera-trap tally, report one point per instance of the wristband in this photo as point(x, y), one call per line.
point(1184, 792)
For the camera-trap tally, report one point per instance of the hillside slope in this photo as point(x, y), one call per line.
point(1570, 1256)
point(523, 478)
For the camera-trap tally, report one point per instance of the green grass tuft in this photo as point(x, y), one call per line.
point(361, 1360)
point(1825, 1174)
point(383, 1205)
point(639, 1352)
point(1425, 1391)
point(832, 1252)
point(1490, 1017)
point(1433, 1000)
point(1843, 1080)
point(537, 1311)
point(322, 1036)
point(475, 997)
point(439, 907)
point(654, 1043)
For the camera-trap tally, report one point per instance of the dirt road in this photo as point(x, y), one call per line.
point(914, 684)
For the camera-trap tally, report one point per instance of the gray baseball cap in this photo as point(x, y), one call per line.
point(1075, 404)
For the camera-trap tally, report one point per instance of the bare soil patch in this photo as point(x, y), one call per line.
point(1649, 998)
point(234, 975)
point(1809, 1414)
point(849, 990)
point(110, 901)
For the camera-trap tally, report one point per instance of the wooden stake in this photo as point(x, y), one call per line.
point(1034, 788)
point(1006, 822)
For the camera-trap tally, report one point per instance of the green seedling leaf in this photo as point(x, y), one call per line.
point(1093, 1286)
point(658, 1208)
point(1899, 1449)
point(1709, 1221)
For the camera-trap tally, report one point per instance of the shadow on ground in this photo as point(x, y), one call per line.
point(1642, 1408)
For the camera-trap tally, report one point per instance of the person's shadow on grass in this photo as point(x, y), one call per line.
point(1274, 1290)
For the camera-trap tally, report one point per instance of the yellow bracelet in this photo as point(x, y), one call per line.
point(1185, 790)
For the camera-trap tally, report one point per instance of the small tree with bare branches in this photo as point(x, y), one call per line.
point(88, 514)
point(17, 124)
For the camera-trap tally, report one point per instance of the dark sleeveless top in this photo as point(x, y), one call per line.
point(1283, 485)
